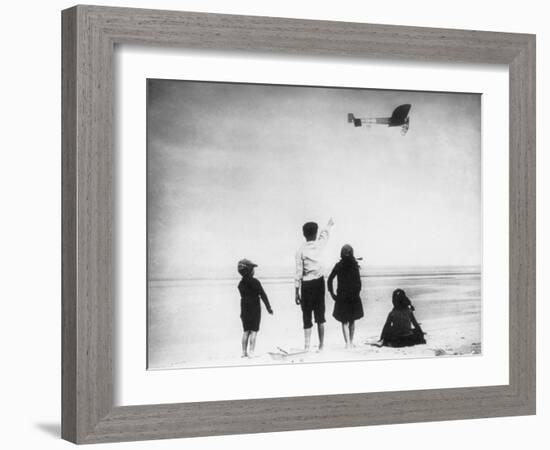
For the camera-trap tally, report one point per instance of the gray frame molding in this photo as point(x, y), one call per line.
point(89, 36)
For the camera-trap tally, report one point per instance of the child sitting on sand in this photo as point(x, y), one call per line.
point(401, 328)
point(251, 291)
point(347, 303)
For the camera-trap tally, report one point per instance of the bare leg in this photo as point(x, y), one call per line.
point(351, 332)
point(307, 338)
point(321, 331)
point(346, 333)
point(252, 343)
point(244, 343)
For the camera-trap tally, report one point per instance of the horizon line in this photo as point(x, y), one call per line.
point(477, 269)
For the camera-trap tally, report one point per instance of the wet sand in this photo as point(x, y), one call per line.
point(195, 323)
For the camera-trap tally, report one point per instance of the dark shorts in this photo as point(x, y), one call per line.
point(313, 301)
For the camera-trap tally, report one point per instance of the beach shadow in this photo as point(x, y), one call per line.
point(53, 429)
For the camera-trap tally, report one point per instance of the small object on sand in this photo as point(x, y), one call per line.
point(377, 343)
point(283, 355)
point(440, 352)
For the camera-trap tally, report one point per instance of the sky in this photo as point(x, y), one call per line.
point(234, 170)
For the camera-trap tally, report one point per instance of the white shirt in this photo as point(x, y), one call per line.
point(309, 258)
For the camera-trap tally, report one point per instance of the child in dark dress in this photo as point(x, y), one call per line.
point(251, 291)
point(401, 328)
point(347, 302)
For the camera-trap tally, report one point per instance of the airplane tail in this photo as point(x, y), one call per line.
point(352, 119)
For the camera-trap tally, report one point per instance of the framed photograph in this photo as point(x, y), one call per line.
point(278, 224)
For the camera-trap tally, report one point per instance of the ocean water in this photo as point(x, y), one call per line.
point(196, 323)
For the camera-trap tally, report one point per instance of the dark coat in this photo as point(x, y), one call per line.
point(251, 291)
point(347, 302)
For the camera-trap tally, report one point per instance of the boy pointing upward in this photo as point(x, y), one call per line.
point(309, 278)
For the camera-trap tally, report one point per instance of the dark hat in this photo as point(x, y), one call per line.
point(245, 264)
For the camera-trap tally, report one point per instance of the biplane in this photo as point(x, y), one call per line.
point(399, 118)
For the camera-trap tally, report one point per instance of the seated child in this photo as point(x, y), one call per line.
point(401, 328)
point(251, 291)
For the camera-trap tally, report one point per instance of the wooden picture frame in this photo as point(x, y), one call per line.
point(89, 36)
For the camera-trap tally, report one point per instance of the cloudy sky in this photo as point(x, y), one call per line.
point(234, 170)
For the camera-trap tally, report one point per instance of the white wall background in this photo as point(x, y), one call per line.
point(30, 226)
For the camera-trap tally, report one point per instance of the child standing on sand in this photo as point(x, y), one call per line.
point(347, 302)
point(251, 291)
point(310, 281)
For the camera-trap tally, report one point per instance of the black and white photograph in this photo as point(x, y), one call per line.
point(275, 225)
point(306, 224)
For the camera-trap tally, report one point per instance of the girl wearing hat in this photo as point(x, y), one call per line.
point(347, 302)
point(251, 291)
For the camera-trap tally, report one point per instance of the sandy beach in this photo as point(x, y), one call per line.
point(195, 323)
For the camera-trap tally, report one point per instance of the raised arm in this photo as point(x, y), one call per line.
point(330, 281)
point(324, 234)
